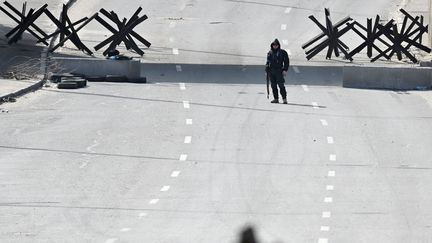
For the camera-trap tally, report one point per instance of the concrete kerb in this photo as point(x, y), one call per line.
point(387, 77)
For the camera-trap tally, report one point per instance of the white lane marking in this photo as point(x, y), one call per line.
point(322, 240)
point(172, 24)
point(331, 173)
point(326, 214)
point(182, 86)
point(283, 27)
point(186, 104)
point(142, 215)
point(183, 157)
point(330, 140)
point(188, 139)
point(125, 229)
point(175, 173)
point(324, 122)
point(112, 240)
point(325, 228)
point(154, 201)
point(165, 188)
point(179, 68)
point(315, 105)
point(329, 187)
point(175, 51)
point(332, 157)
point(285, 42)
point(188, 121)
point(328, 200)
point(305, 88)
point(296, 69)
point(288, 10)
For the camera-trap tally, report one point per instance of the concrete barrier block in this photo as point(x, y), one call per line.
point(383, 77)
point(100, 67)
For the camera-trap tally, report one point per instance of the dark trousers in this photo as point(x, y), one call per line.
point(277, 79)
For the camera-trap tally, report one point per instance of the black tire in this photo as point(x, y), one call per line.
point(116, 78)
point(56, 77)
point(67, 85)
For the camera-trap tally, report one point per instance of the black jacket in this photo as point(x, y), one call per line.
point(277, 59)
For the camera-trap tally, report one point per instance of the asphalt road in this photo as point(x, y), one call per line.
point(198, 153)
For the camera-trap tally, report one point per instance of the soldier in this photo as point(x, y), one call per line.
point(277, 68)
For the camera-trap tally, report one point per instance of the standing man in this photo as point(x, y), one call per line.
point(277, 68)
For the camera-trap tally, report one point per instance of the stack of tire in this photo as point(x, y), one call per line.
point(69, 81)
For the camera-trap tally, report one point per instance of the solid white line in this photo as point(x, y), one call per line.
point(329, 187)
point(188, 121)
point(125, 229)
point(183, 157)
point(179, 68)
point(330, 140)
point(332, 173)
point(315, 105)
point(186, 104)
point(305, 88)
point(326, 214)
point(112, 240)
point(324, 123)
point(165, 188)
point(175, 51)
point(322, 240)
point(328, 200)
point(175, 173)
point(154, 201)
point(188, 139)
point(332, 157)
point(288, 10)
point(182, 86)
point(296, 69)
point(325, 228)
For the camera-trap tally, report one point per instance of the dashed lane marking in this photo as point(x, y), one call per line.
point(324, 122)
point(183, 157)
point(283, 27)
point(330, 140)
point(188, 139)
point(325, 228)
point(188, 121)
point(322, 240)
point(112, 240)
point(288, 10)
point(154, 201)
point(175, 51)
point(332, 157)
point(125, 230)
point(175, 173)
point(165, 188)
point(182, 86)
point(326, 214)
point(329, 187)
point(186, 104)
point(331, 173)
point(328, 200)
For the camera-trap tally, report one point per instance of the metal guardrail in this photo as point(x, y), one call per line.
point(395, 40)
point(68, 30)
